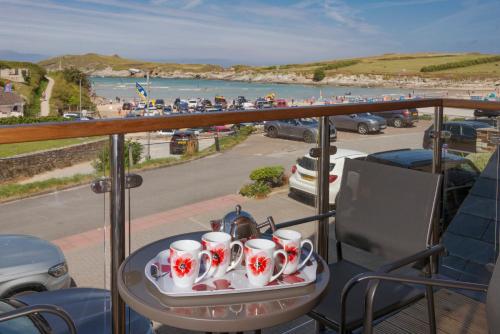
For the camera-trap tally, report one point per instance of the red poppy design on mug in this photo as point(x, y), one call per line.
point(292, 253)
point(258, 264)
point(217, 256)
point(182, 266)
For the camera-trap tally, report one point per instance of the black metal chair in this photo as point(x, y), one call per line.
point(387, 211)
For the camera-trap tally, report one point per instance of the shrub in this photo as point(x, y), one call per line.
point(13, 120)
point(272, 175)
point(319, 74)
point(340, 64)
point(480, 160)
point(103, 157)
point(256, 189)
point(459, 64)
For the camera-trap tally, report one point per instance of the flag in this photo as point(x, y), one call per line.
point(141, 91)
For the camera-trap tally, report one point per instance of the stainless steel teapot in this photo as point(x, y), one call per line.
point(241, 225)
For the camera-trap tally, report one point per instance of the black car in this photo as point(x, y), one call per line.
point(127, 106)
point(90, 310)
point(486, 113)
point(463, 135)
point(180, 141)
point(399, 118)
point(460, 174)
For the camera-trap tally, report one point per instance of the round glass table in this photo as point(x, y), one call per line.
point(217, 313)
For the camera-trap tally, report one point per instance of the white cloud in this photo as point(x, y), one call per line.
point(346, 16)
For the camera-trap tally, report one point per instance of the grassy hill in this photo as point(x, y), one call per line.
point(92, 61)
point(33, 87)
point(432, 65)
point(397, 65)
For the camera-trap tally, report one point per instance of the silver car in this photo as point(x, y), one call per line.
point(29, 264)
point(362, 123)
point(303, 128)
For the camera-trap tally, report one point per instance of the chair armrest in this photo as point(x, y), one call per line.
point(42, 308)
point(303, 220)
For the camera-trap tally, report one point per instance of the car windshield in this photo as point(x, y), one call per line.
point(308, 121)
point(311, 163)
point(19, 325)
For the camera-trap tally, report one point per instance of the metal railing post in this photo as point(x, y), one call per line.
point(323, 186)
point(117, 218)
point(437, 169)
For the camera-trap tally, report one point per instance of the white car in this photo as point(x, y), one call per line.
point(192, 104)
point(303, 178)
point(248, 106)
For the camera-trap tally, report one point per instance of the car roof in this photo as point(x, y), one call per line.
point(474, 124)
point(343, 153)
point(412, 157)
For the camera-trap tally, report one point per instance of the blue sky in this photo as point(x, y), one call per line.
point(253, 32)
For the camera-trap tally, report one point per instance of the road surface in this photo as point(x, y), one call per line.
point(77, 210)
point(45, 105)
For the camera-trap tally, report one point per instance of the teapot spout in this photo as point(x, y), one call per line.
point(216, 225)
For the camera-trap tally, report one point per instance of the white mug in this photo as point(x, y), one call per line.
point(260, 256)
point(291, 242)
point(220, 246)
point(185, 258)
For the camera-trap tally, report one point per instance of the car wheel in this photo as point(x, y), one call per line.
point(272, 132)
point(309, 137)
point(398, 123)
point(362, 129)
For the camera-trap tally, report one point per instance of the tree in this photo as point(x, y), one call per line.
point(74, 75)
point(319, 74)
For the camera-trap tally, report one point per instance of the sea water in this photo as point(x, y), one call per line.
point(169, 89)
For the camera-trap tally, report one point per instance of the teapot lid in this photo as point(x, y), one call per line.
point(237, 213)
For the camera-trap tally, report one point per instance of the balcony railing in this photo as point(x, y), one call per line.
point(116, 128)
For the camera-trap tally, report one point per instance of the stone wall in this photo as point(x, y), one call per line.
point(28, 165)
point(484, 141)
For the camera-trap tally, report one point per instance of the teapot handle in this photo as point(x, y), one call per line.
point(269, 222)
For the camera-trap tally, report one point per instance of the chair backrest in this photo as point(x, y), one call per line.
point(493, 300)
point(385, 210)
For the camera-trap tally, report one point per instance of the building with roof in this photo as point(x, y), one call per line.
point(11, 104)
point(14, 74)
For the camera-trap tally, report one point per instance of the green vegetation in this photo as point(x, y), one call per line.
point(480, 159)
point(319, 74)
point(16, 190)
point(66, 91)
point(255, 189)
point(265, 178)
point(10, 150)
point(28, 120)
point(459, 64)
point(135, 148)
point(33, 87)
point(272, 175)
point(340, 64)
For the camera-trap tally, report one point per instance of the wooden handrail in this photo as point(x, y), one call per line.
point(75, 129)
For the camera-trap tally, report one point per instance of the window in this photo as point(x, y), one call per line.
point(468, 131)
point(453, 128)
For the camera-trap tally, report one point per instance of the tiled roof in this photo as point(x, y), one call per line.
point(8, 98)
point(470, 237)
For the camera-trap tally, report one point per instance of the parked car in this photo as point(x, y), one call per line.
point(263, 104)
point(160, 104)
point(280, 103)
point(486, 113)
point(29, 264)
point(362, 123)
point(192, 103)
point(304, 128)
point(127, 106)
point(183, 106)
point(463, 135)
point(180, 141)
point(89, 309)
point(460, 173)
point(167, 110)
point(400, 118)
point(221, 100)
point(206, 103)
point(248, 106)
point(304, 173)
